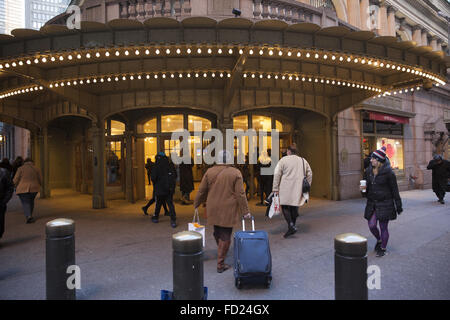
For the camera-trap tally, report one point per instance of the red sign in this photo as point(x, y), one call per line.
point(387, 117)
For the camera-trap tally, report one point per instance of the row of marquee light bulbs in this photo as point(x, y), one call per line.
point(333, 56)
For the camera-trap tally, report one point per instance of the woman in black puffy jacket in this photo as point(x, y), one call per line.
point(383, 198)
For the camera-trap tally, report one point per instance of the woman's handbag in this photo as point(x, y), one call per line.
point(306, 188)
point(275, 208)
point(197, 227)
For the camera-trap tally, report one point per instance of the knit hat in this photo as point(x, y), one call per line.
point(380, 155)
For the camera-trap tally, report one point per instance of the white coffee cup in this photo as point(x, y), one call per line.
point(363, 184)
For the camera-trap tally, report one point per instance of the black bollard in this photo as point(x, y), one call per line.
point(187, 266)
point(350, 267)
point(60, 254)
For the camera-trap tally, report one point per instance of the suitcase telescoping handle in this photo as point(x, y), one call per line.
point(243, 223)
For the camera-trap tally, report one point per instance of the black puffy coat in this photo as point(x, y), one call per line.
point(6, 186)
point(440, 174)
point(186, 178)
point(164, 176)
point(382, 194)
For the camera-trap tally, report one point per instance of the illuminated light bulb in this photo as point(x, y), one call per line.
point(325, 57)
point(310, 79)
point(53, 59)
point(363, 61)
point(156, 76)
point(205, 75)
point(270, 53)
point(109, 79)
point(308, 55)
point(251, 51)
point(303, 79)
point(167, 51)
point(399, 68)
point(253, 76)
point(102, 80)
point(139, 77)
point(349, 59)
point(123, 78)
point(322, 81)
point(221, 75)
point(241, 51)
point(117, 53)
point(127, 52)
point(188, 75)
point(137, 52)
point(209, 51)
point(51, 85)
point(245, 75)
point(290, 77)
point(44, 60)
point(28, 62)
point(88, 55)
point(261, 76)
point(393, 67)
point(381, 64)
point(157, 51)
point(316, 56)
point(131, 77)
point(388, 66)
point(341, 59)
point(199, 51)
point(107, 54)
point(97, 54)
point(35, 61)
point(189, 50)
point(276, 77)
point(197, 75)
point(316, 80)
point(14, 64)
point(283, 77)
point(289, 53)
point(95, 80)
point(88, 81)
point(328, 82)
point(333, 58)
point(172, 75)
point(403, 69)
point(280, 53)
point(178, 51)
point(219, 51)
point(78, 56)
point(147, 52)
point(269, 76)
point(333, 82)
point(147, 77)
point(164, 75)
point(56, 85)
point(230, 51)
point(213, 75)
point(70, 57)
point(261, 52)
point(61, 58)
point(299, 54)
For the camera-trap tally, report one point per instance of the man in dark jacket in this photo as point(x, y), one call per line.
point(383, 198)
point(6, 192)
point(186, 181)
point(164, 178)
point(440, 175)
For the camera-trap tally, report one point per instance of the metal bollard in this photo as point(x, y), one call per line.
point(60, 254)
point(187, 266)
point(350, 267)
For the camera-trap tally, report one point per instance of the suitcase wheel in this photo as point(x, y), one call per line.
point(238, 283)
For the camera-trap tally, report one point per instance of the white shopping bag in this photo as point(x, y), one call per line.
point(275, 208)
point(197, 227)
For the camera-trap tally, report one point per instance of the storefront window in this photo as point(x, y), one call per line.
point(394, 151)
point(171, 123)
point(205, 123)
point(389, 128)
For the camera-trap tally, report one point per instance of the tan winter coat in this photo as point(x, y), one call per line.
point(223, 190)
point(28, 178)
point(288, 180)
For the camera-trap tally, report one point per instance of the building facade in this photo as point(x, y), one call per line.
point(339, 78)
point(38, 12)
point(12, 15)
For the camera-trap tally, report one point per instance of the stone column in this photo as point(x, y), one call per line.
point(433, 43)
point(382, 21)
point(417, 35)
point(45, 165)
point(391, 21)
point(129, 188)
point(354, 13)
point(333, 130)
point(98, 144)
point(84, 176)
point(365, 16)
point(424, 37)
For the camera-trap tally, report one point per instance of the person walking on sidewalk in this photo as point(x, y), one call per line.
point(153, 199)
point(288, 184)
point(28, 181)
point(164, 178)
point(6, 192)
point(222, 189)
point(186, 181)
point(440, 175)
point(383, 199)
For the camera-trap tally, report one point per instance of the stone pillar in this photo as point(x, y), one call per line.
point(391, 21)
point(129, 187)
point(424, 37)
point(417, 35)
point(84, 176)
point(383, 21)
point(365, 15)
point(98, 144)
point(44, 162)
point(141, 172)
point(354, 13)
point(334, 158)
point(433, 43)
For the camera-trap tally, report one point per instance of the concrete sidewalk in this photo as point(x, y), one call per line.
point(123, 255)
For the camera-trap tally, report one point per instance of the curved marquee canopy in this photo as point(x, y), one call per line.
point(237, 50)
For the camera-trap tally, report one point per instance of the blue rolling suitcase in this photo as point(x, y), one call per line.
point(252, 258)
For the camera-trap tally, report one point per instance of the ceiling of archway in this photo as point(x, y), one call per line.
point(201, 53)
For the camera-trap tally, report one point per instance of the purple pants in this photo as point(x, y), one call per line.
point(383, 227)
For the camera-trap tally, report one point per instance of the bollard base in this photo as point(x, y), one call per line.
point(168, 295)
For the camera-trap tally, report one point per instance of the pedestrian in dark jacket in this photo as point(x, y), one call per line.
point(153, 199)
point(164, 178)
point(383, 199)
point(186, 181)
point(6, 165)
point(6, 192)
point(148, 167)
point(440, 175)
point(16, 165)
